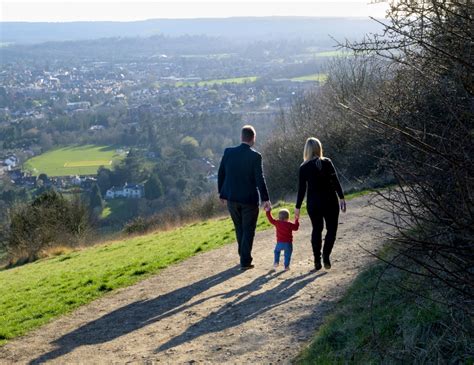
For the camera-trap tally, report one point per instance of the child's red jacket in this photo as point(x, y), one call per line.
point(284, 229)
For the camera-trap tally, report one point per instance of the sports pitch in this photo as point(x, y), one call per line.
point(73, 160)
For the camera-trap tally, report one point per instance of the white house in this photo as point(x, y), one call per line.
point(76, 180)
point(97, 127)
point(11, 161)
point(127, 191)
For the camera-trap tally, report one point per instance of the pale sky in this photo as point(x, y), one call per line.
point(73, 10)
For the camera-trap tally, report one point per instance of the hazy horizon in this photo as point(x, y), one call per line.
point(106, 10)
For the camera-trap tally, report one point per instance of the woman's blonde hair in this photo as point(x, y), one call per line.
point(313, 148)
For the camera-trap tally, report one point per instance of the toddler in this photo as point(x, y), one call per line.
point(284, 235)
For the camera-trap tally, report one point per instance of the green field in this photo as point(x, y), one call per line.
point(234, 80)
point(320, 77)
point(316, 52)
point(338, 53)
point(73, 160)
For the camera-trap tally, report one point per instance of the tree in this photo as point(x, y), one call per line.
point(153, 188)
point(95, 199)
point(355, 150)
point(43, 178)
point(190, 147)
point(104, 179)
point(181, 184)
point(424, 113)
point(45, 141)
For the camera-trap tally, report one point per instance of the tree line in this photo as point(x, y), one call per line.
point(401, 110)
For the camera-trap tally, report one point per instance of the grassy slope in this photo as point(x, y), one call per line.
point(385, 321)
point(84, 160)
point(32, 294)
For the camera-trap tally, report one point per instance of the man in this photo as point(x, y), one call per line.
point(241, 184)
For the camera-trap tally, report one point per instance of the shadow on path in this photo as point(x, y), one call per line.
point(244, 308)
point(141, 313)
point(133, 316)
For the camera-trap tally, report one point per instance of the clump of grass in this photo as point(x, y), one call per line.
point(390, 317)
point(56, 251)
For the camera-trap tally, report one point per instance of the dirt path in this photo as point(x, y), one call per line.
point(204, 310)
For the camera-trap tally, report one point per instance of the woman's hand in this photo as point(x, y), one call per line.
point(297, 213)
point(342, 203)
point(267, 205)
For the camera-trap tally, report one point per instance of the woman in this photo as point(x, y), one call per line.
point(318, 176)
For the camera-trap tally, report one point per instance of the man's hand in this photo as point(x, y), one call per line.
point(297, 213)
point(223, 201)
point(267, 205)
point(342, 203)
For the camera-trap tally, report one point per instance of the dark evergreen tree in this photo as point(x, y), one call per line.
point(43, 177)
point(153, 188)
point(95, 199)
point(104, 179)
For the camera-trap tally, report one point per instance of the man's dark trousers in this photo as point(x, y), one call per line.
point(244, 217)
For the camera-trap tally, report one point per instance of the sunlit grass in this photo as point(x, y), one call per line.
point(319, 77)
point(336, 53)
point(234, 80)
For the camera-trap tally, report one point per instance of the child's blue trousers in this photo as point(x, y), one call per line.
point(287, 248)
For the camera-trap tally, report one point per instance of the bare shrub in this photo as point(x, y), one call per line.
point(354, 150)
point(49, 221)
point(199, 208)
point(424, 110)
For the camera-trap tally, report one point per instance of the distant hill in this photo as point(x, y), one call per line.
point(236, 28)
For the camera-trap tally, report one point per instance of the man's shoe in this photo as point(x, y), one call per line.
point(327, 263)
point(317, 265)
point(243, 268)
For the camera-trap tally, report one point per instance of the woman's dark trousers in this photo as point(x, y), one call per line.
point(319, 214)
point(244, 217)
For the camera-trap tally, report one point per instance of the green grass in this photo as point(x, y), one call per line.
point(73, 160)
point(234, 80)
point(106, 212)
point(315, 51)
point(33, 294)
point(337, 53)
point(380, 321)
point(320, 77)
